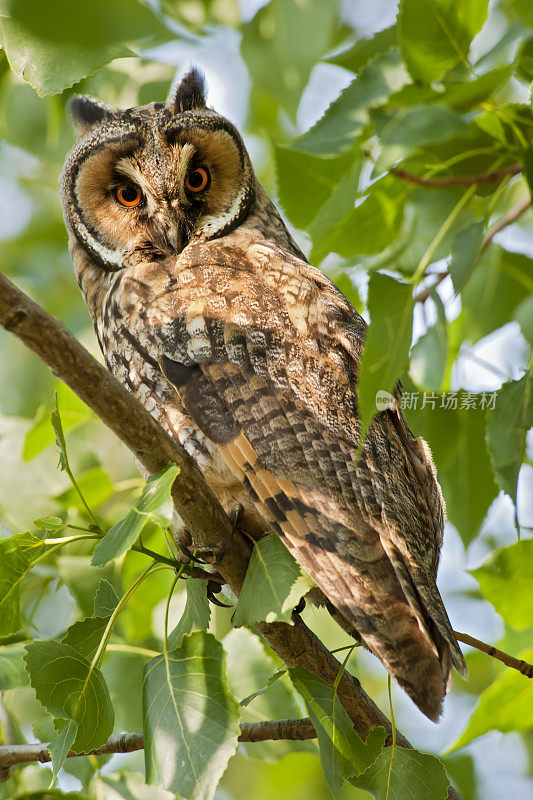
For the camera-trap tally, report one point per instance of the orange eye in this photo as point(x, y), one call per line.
point(128, 195)
point(197, 180)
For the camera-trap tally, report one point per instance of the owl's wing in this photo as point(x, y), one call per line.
point(266, 366)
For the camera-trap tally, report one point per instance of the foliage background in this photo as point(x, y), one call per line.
point(273, 69)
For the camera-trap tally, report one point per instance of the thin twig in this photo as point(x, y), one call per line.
point(270, 730)
point(507, 219)
point(422, 295)
point(509, 661)
point(452, 180)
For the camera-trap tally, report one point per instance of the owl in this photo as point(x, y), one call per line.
point(209, 313)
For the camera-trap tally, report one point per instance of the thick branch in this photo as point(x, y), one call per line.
point(208, 524)
point(451, 180)
point(127, 418)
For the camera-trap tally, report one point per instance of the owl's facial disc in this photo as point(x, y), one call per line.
point(146, 181)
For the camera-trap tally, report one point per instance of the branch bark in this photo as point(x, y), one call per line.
point(509, 661)
point(209, 525)
point(272, 730)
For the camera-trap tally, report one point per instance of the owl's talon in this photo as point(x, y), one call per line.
point(187, 553)
point(299, 607)
point(213, 587)
point(236, 514)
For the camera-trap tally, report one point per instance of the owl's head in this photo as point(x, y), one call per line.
point(151, 178)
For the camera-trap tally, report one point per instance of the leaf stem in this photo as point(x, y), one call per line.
point(140, 548)
point(426, 259)
point(133, 649)
point(62, 444)
point(167, 607)
point(121, 604)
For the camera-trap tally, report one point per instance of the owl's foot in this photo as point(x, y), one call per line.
point(188, 555)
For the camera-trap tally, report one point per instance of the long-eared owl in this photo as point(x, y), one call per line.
point(209, 313)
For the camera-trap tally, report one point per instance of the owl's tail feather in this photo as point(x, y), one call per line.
point(366, 591)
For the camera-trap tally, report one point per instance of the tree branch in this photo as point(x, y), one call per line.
point(511, 216)
point(208, 524)
point(509, 661)
point(466, 180)
point(271, 730)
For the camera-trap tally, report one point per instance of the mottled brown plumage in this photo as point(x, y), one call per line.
point(209, 313)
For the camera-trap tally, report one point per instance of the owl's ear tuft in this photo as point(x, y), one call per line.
point(189, 93)
point(86, 112)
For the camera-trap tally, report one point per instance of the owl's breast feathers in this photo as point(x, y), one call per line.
point(263, 352)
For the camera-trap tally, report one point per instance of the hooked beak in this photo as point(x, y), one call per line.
point(173, 233)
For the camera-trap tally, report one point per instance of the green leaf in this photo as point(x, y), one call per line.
point(528, 166)
point(388, 338)
point(83, 580)
point(465, 94)
point(50, 523)
point(57, 425)
point(68, 688)
point(16, 557)
point(523, 314)
point(305, 181)
point(196, 615)
point(258, 692)
point(418, 126)
point(122, 535)
point(61, 746)
point(401, 773)
point(95, 486)
point(500, 282)
point(50, 70)
point(435, 35)
point(55, 45)
point(508, 567)
point(74, 413)
point(281, 45)
point(366, 228)
point(191, 719)
point(272, 586)
point(106, 599)
point(346, 117)
point(363, 50)
point(255, 675)
point(342, 752)
point(453, 424)
point(429, 355)
point(465, 253)
point(524, 60)
point(506, 432)
point(100, 25)
point(85, 635)
point(425, 212)
point(12, 670)
point(507, 705)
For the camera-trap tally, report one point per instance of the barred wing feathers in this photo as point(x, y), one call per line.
point(265, 360)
